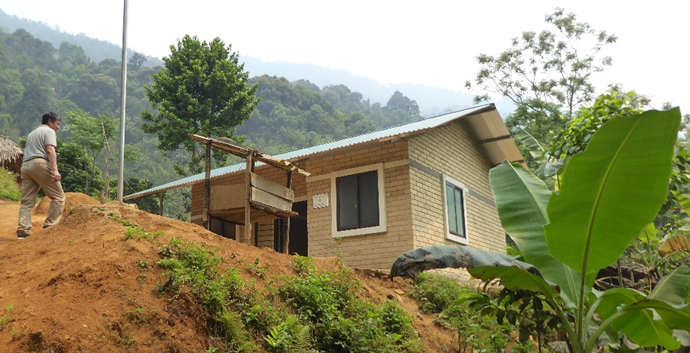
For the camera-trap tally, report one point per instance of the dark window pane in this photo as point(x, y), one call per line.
point(216, 226)
point(459, 214)
point(450, 205)
point(222, 227)
point(229, 230)
point(369, 199)
point(347, 202)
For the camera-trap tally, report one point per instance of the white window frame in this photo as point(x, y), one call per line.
point(382, 227)
point(450, 236)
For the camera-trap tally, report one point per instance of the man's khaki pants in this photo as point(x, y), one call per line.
point(36, 174)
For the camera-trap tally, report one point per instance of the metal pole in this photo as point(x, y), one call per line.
point(123, 105)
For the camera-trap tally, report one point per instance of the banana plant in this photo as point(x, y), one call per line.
point(608, 194)
point(549, 166)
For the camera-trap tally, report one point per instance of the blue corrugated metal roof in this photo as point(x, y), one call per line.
point(386, 133)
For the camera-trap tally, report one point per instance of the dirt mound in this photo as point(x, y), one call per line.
point(71, 199)
point(80, 286)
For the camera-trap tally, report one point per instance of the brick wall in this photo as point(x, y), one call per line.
point(450, 150)
point(371, 250)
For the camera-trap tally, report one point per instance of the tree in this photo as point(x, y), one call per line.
point(78, 169)
point(202, 89)
point(541, 120)
point(549, 66)
point(399, 102)
point(573, 138)
point(90, 134)
point(137, 60)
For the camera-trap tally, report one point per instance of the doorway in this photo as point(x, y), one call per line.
point(299, 239)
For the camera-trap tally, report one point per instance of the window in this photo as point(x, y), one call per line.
point(454, 200)
point(359, 204)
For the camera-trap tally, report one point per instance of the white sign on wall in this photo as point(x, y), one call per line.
point(320, 200)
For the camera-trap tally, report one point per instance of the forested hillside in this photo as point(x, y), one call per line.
point(432, 100)
point(36, 77)
point(97, 50)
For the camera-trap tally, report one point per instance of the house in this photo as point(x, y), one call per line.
point(369, 198)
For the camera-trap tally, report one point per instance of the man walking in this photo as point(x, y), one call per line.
point(39, 170)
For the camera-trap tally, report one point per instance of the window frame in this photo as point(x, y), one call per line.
point(450, 236)
point(382, 227)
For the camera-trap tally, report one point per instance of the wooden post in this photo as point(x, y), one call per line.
point(160, 203)
point(286, 224)
point(207, 186)
point(248, 198)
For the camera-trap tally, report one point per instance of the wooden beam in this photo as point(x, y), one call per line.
point(160, 203)
point(493, 139)
point(241, 151)
point(247, 200)
point(207, 186)
point(286, 224)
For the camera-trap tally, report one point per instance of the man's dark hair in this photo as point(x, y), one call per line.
point(50, 116)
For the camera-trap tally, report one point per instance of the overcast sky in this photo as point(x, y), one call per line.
point(430, 42)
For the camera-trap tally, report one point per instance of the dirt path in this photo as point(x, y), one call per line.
point(8, 222)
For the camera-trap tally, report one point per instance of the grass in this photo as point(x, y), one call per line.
point(9, 190)
point(137, 232)
point(6, 318)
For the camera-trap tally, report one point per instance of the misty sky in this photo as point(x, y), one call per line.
point(433, 43)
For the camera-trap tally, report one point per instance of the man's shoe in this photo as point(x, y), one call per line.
point(22, 235)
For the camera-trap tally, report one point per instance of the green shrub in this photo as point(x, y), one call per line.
point(435, 292)
point(9, 190)
point(341, 321)
point(315, 311)
point(288, 336)
point(475, 329)
point(196, 267)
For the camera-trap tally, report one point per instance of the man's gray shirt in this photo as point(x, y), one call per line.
point(37, 141)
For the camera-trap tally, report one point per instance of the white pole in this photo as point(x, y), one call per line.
point(123, 105)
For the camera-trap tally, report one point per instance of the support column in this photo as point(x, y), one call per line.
point(207, 186)
point(160, 203)
point(286, 224)
point(248, 199)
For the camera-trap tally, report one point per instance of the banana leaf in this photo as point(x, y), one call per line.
point(482, 264)
point(612, 190)
point(638, 323)
point(515, 278)
point(675, 243)
point(548, 167)
point(530, 143)
point(683, 200)
point(673, 288)
point(521, 200)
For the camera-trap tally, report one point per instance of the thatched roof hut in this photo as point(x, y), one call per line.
point(10, 155)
